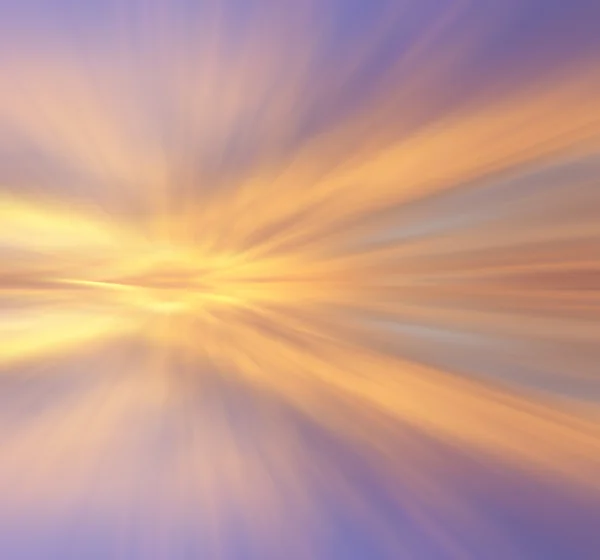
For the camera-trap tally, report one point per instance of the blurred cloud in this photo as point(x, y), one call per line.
point(299, 279)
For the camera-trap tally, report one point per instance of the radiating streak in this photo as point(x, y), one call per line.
point(259, 299)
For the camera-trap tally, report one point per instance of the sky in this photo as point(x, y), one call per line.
point(299, 279)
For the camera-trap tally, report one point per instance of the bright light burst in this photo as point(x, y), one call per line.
point(299, 280)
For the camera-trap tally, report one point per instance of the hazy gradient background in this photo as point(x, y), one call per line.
point(294, 279)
